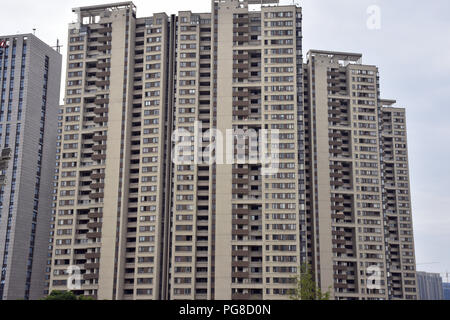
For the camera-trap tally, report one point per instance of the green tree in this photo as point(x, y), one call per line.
point(65, 295)
point(306, 288)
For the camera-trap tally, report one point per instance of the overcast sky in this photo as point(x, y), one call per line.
point(411, 48)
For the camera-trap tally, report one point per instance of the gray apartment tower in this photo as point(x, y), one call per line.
point(30, 90)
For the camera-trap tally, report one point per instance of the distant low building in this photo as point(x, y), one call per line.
point(430, 286)
point(446, 287)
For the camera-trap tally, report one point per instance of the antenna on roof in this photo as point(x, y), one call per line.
point(58, 46)
point(34, 31)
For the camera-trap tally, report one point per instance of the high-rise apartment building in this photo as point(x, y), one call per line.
point(398, 233)
point(194, 161)
point(30, 87)
point(359, 197)
point(111, 213)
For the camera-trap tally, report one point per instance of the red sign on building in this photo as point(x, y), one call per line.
point(4, 44)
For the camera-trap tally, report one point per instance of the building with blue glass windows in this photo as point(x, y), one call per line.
point(30, 78)
point(446, 288)
point(430, 286)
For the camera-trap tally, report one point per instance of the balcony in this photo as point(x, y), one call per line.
point(98, 195)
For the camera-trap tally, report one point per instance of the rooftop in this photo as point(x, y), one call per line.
point(348, 56)
point(115, 5)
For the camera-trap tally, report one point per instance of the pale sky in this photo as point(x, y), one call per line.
point(412, 50)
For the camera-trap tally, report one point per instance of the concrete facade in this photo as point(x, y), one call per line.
point(137, 225)
point(360, 206)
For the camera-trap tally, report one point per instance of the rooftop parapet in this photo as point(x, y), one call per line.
point(345, 57)
point(89, 14)
point(387, 102)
